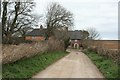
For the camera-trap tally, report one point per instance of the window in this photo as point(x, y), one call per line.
point(75, 40)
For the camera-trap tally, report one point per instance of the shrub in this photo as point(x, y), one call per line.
point(113, 54)
point(28, 41)
point(105, 65)
point(55, 45)
point(26, 68)
point(66, 43)
point(12, 53)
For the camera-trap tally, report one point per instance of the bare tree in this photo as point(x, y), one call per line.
point(93, 33)
point(4, 17)
point(84, 37)
point(84, 34)
point(62, 35)
point(26, 24)
point(0, 8)
point(16, 16)
point(57, 16)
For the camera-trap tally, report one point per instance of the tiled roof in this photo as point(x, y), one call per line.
point(37, 32)
point(75, 34)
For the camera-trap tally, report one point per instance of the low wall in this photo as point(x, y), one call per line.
point(12, 53)
point(108, 44)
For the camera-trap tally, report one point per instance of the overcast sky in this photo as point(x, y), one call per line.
point(101, 14)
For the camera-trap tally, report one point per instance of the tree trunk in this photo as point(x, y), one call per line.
point(8, 38)
point(23, 37)
point(4, 17)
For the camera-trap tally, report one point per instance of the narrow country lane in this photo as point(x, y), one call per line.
point(74, 65)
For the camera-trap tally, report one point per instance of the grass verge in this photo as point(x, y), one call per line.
point(105, 65)
point(26, 68)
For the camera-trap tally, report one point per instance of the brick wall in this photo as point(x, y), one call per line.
point(109, 44)
point(35, 38)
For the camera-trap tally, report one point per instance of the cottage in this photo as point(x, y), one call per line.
point(75, 38)
point(39, 35)
point(36, 34)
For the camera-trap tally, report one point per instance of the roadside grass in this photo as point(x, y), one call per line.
point(105, 65)
point(26, 68)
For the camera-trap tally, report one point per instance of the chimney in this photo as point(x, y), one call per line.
point(41, 27)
